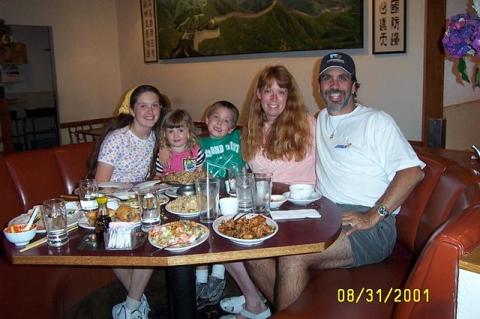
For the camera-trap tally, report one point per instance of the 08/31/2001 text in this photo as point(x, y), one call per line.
point(370, 295)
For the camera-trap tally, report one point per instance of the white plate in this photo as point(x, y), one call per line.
point(181, 214)
point(277, 203)
point(146, 185)
point(118, 185)
point(124, 195)
point(73, 214)
point(245, 242)
point(197, 242)
point(302, 202)
point(172, 192)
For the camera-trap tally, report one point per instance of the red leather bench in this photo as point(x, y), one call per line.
point(26, 179)
point(442, 196)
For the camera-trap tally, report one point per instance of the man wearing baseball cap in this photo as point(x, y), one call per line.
point(366, 166)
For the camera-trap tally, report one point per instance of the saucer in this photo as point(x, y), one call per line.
point(302, 202)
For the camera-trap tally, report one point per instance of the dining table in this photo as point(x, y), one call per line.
point(294, 236)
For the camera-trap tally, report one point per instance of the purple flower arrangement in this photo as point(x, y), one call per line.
point(461, 39)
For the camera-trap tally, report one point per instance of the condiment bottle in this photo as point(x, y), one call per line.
point(103, 219)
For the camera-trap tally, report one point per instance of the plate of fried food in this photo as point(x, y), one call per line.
point(183, 178)
point(122, 213)
point(184, 206)
point(178, 236)
point(248, 230)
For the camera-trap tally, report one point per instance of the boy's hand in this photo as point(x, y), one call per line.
point(164, 157)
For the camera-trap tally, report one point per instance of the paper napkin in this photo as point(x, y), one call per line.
point(294, 214)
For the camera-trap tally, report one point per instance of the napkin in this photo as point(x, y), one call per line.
point(294, 214)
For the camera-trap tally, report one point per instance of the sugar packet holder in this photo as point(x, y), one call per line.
point(123, 236)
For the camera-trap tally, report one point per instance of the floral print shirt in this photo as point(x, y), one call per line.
point(129, 155)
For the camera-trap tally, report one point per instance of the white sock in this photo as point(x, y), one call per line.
point(201, 274)
point(218, 271)
point(132, 304)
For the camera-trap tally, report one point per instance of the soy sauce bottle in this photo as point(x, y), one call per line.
point(103, 219)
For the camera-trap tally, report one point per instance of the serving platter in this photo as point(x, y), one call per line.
point(245, 242)
point(178, 236)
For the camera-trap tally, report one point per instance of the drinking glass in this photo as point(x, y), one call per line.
point(230, 182)
point(55, 220)
point(208, 193)
point(262, 192)
point(244, 184)
point(149, 209)
point(88, 192)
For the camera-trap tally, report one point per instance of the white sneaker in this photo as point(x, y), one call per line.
point(144, 307)
point(120, 311)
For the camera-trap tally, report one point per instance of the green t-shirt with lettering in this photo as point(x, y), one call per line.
point(222, 153)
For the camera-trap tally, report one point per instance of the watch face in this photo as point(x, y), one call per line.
point(382, 211)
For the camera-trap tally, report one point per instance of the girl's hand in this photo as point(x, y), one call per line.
point(164, 157)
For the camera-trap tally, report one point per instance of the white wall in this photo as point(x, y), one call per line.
point(85, 42)
point(391, 82)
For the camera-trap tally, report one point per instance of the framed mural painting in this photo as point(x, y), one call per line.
point(190, 28)
point(149, 30)
point(389, 26)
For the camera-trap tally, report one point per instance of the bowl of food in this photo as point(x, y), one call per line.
point(248, 230)
point(17, 235)
point(276, 201)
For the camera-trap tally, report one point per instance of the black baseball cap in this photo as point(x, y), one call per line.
point(338, 59)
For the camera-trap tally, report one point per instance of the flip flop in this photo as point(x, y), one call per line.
point(249, 315)
point(232, 304)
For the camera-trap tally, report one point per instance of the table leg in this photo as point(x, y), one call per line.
point(181, 292)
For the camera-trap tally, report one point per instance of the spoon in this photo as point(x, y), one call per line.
point(32, 218)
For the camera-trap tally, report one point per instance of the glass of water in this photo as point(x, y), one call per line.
point(149, 209)
point(88, 192)
point(262, 192)
point(55, 220)
point(245, 184)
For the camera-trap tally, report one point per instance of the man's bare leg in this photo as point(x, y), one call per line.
point(293, 276)
point(263, 272)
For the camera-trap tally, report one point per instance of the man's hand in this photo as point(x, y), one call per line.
point(359, 221)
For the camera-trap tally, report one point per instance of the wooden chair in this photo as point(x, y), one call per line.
point(85, 130)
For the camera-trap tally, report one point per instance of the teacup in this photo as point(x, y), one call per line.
point(301, 191)
point(228, 206)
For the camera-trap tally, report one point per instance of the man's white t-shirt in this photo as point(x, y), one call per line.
point(359, 154)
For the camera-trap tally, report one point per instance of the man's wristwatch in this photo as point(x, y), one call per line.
point(382, 211)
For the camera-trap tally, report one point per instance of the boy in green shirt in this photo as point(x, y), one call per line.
point(222, 146)
point(222, 151)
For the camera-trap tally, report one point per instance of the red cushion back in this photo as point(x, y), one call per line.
point(72, 161)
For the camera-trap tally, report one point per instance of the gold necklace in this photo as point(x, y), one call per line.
point(334, 130)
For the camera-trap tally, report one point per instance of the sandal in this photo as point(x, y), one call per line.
point(250, 315)
point(234, 304)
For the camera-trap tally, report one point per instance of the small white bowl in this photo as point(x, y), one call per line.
point(21, 238)
point(301, 191)
point(276, 201)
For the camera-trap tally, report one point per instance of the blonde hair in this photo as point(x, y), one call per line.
point(176, 119)
point(290, 136)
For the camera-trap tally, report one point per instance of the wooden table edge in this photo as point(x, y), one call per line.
point(171, 260)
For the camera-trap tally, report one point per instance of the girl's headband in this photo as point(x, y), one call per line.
point(124, 107)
